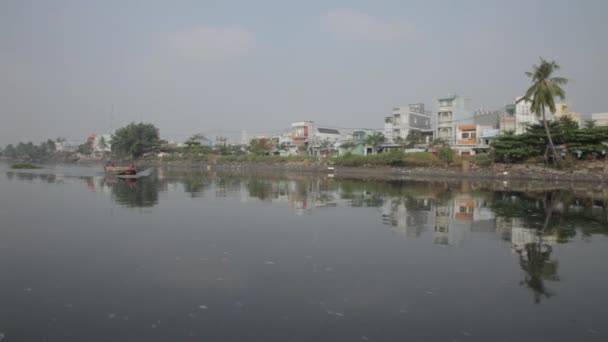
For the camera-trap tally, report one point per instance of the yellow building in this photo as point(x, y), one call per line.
point(562, 109)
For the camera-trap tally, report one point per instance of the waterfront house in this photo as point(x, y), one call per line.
point(404, 119)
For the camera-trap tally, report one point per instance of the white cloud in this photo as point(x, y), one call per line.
point(211, 43)
point(361, 26)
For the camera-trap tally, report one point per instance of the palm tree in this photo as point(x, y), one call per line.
point(374, 140)
point(543, 92)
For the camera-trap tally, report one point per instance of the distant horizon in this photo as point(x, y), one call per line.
point(74, 68)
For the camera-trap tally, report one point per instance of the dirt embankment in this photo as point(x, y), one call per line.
point(580, 172)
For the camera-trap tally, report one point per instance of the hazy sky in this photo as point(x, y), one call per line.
point(196, 66)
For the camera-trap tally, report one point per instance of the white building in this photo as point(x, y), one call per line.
point(66, 146)
point(102, 143)
point(306, 136)
point(452, 111)
point(407, 118)
point(523, 116)
point(600, 119)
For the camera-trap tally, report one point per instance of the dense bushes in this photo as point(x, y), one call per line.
point(242, 158)
point(393, 158)
point(581, 143)
point(483, 159)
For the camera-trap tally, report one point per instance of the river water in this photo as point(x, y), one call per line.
point(196, 256)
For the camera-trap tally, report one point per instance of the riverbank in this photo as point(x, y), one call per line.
point(583, 171)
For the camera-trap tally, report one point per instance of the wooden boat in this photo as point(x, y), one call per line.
point(121, 170)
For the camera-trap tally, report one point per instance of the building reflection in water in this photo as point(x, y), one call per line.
point(532, 221)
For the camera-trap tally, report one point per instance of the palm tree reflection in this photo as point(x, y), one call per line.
point(535, 257)
point(535, 260)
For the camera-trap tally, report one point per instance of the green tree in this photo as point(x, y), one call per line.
point(568, 128)
point(589, 124)
point(326, 146)
point(10, 151)
point(136, 140)
point(260, 146)
point(374, 140)
point(85, 148)
point(413, 137)
point(400, 141)
point(446, 154)
point(543, 92)
point(349, 145)
point(102, 143)
point(439, 142)
point(50, 146)
point(196, 140)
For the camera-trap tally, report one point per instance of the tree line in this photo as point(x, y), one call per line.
point(589, 142)
point(30, 150)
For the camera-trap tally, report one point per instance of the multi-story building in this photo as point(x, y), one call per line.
point(600, 119)
point(522, 116)
point(308, 137)
point(486, 117)
point(472, 138)
point(407, 118)
point(506, 122)
point(452, 111)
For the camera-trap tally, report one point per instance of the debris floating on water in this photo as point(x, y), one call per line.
point(269, 262)
point(335, 313)
point(365, 338)
point(202, 307)
point(111, 316)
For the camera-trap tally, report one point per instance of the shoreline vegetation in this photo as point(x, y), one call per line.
point(25, 166)
point(394, 166)
point(389, 166)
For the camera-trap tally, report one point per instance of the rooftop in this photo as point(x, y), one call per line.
point(328, 130)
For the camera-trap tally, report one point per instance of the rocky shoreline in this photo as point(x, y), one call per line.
point(596, 172)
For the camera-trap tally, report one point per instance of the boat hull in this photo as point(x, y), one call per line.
point(120, 170)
